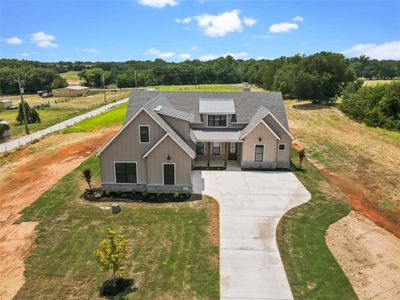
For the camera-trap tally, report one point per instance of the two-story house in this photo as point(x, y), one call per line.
point(168, 134)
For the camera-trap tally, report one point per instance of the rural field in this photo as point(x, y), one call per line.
point(71, 77)
point(207, 88)
point(61, 108)
point(375, 82)
point(359, 164)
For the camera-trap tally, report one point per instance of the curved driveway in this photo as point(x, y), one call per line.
point(251, 204)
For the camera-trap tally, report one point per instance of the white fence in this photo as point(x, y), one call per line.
point(13, 144)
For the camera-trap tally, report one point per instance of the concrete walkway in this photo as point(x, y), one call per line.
point(10, 145)
point(251, 204)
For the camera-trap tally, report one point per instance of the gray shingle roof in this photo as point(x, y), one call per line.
point(174, 113)
point(258, 116)
point(246, 104)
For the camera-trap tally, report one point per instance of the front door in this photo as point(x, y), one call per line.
point(232, 155)
point(169, 174)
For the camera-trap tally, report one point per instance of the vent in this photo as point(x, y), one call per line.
point(158, 108)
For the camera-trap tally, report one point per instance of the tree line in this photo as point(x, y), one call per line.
point(316, 77)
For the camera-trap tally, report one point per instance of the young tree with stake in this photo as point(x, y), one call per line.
point(87, 174)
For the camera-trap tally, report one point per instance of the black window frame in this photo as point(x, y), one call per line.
point(217, 121)
point(279, 147)
point(198, 147)
point(262, 153)
point(141, 134)
point(216, 147)
point(122, 176)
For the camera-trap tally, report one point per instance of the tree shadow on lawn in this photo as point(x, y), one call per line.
point(121, 290)
point(312, 106)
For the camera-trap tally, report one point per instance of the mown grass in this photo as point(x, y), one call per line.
point(202, 88)
point(112, 117)
point(312, 270)
point(171, 254)
point(71, 75)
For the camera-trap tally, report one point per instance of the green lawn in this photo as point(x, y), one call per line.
point(71, 75)
point(112, 117)
point(202, 88)
point(312, 270)
point(171, 253)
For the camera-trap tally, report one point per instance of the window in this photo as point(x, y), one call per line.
point(216, 149)
point(217, 120)
point(201, 118)
point(259, 153)
point(234, 119)
point(200, 148)
point(144, 131)
point(282, 147)
point(125, 172)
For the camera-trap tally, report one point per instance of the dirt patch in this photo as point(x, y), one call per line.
point(214, 217)
point(368, 254)
point(25, 175)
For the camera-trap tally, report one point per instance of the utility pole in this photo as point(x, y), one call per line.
point(21, 91)
point(195, 80)
point(104, 88)
point(135, 80)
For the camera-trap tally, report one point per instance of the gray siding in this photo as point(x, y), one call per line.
point(126, 147)
point(182, 161)
point(270, 148)
point(180, 126)
point(283, 157)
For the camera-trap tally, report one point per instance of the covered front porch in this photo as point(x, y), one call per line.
point(217, 149)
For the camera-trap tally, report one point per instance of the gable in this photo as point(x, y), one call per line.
point(166, 146)
point(278, 128)
point(261, 130)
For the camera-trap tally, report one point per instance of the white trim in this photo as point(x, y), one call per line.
point(130, 121)
point(280, 124)
point(263, 154)
point(140, 136)
point(162, 170)
point(126, 161)
point(120, 131)
point(266, 125)
point(282, 144)
point(155, 145)
point(226, 116)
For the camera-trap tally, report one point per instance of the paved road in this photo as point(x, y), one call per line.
point(10, 145)
point(251, 204)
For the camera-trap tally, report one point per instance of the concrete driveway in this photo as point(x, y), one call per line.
point(251, 204)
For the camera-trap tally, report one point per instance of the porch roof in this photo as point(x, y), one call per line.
point(217, 136)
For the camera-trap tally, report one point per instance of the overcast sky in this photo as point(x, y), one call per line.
point(175, 30)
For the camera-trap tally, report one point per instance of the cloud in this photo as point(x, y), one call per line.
point(88, 50)
point(298, 19)
point(185, 56)
point(194, 48)
point(208, 57)
point(388, 50)
point(43, 40)
point(249, 21)
point(157, 53)
point(183, 20)
point(236, 55)
point(220, 25)
point(13, 41)
point(283, 27)
point(158, 3)
point(25, 54)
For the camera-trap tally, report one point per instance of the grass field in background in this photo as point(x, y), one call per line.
point(312, 271)
point(171, 255)
point(71, 75)
point(207, 88)
point(112, 117)
point(375, 82)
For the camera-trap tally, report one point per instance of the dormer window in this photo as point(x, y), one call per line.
point(216, 120)
point(234, 118)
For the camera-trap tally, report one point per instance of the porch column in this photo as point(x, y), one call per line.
point(208, 153)
point(226, 153)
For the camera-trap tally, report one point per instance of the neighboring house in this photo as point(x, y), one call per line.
point(167, 134)
point(5, 103)
point(71, 91)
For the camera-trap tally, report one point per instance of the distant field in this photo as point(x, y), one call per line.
point(65, 108)
point(207, 88)
point(375, 82)
point(71, 75)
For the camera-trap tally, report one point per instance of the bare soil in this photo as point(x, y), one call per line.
point(368, 254)
point(24, 176)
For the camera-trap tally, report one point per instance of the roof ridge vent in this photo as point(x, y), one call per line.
point(158, 108)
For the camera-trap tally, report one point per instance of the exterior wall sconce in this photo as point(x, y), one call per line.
point(259, 139)
point(168, 157)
